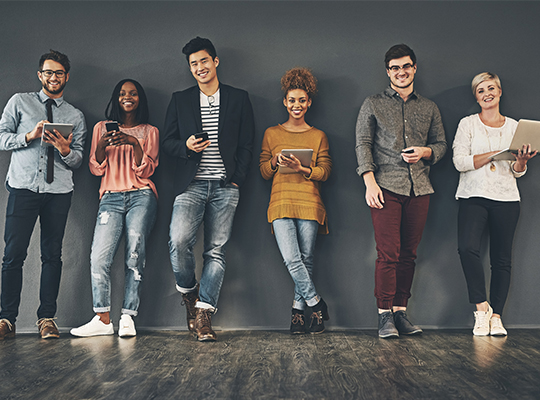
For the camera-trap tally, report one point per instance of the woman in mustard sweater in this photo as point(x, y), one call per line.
point(296, 210)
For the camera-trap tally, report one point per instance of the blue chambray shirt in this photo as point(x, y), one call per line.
point(28, 166)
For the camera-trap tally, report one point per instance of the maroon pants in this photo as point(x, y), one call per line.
point(398, 229)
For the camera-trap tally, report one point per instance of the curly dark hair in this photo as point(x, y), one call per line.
point(299, 78)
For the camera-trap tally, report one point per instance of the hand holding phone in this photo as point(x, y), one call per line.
point(112, 126)
point(202, 135)
point(407, 151)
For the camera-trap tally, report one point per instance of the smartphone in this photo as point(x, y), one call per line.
point(111, 126)
point(202, 135)
point(408, 151)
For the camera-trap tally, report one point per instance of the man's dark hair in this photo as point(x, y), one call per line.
point(113, 111)
point(198, 44)
point(55, 56)
point(398, 51)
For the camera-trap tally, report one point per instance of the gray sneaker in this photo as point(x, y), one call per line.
point(404, 326)
point(387, 329)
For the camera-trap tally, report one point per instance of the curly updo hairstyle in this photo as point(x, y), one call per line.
point(299, 78)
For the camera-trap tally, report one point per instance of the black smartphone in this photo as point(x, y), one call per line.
point(407, 151)
point(111, 126)
point(202, 135)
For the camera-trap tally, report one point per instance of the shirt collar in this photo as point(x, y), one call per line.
point(392, 93)
point(43, 97)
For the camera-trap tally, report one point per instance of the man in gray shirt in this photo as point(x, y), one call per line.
point(40, 183)
point(399, 135)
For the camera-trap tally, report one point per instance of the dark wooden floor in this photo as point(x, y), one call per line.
point(347, 364)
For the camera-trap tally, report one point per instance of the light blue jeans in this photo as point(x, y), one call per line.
point(203, 201)
point(133, 213)
point(296, 241)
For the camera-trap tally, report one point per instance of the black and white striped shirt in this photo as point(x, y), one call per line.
point(211, 166)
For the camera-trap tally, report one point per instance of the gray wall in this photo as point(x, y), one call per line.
point(344, 43)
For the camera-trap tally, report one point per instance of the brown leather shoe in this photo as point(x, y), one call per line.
point(7, 329)
point(48, 328)
point(203, 326)
point(189, 300)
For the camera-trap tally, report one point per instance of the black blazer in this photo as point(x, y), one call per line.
point(235, 134)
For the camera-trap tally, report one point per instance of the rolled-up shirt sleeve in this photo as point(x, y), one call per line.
point(366, 125)
point(462, 157)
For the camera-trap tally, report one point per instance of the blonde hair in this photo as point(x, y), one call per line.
point(299, 78)
point(482, 77)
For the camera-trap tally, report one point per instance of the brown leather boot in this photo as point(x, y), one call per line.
point(189, 300)
point(48, 328)
point(203, 326)
point(7, 329)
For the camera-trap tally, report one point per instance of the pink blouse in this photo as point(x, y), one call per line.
point(119, 171)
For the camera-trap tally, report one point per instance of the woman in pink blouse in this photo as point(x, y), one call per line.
point(125, 158)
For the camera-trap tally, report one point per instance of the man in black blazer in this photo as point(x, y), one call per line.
point(209, 130)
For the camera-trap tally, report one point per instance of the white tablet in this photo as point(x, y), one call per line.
point(304, 155)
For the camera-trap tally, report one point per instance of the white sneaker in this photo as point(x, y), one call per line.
point(126, 326)
point(497, 328)
point(94, 328)
point(481, 322)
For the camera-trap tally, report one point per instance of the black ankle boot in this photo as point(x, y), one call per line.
point(318, 316)
point(298, 322)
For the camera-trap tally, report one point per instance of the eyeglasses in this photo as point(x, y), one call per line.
point(49, 72)
point(396, 68)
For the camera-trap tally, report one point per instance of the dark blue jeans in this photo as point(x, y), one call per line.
point(24, 206)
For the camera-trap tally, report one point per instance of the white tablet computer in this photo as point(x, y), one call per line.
point(304, 155)
point(64, 129)
point(527, 132)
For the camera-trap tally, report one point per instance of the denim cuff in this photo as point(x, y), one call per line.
point(132, 313)
point(206, 306)
point(184, 290)
point(299, 305)
point(313, 301)
point(102, 309)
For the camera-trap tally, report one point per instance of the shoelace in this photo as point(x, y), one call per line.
point(204, 317)
point(482, 320)
point(8, 323)
point(42, 322)
point(298, 319)
point(189, 303)
point(318, 315)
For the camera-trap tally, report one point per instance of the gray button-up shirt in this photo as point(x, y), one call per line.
point(28, 166)
point(385, 126)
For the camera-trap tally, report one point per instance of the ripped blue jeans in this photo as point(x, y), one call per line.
point(134, 214)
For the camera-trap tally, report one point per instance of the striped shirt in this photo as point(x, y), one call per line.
point(211, 166)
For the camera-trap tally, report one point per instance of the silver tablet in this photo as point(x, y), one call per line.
point(64, 129)
point(527, 132)
point(304, 155)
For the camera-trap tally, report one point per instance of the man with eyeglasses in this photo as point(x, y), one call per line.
point(39, 182)
point(209, 130)
point(399, 135)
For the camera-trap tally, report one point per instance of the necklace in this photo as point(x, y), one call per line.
point(492, 167)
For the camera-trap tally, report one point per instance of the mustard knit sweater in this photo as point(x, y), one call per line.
point(296, 195)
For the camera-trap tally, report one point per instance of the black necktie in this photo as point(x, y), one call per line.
point(50, 149)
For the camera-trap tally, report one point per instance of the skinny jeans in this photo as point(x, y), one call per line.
point(398, 230)
point(296, 241)
point(499, 218)
point(23, 209)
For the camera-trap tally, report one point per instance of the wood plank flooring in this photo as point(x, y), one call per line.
point(348, 364)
